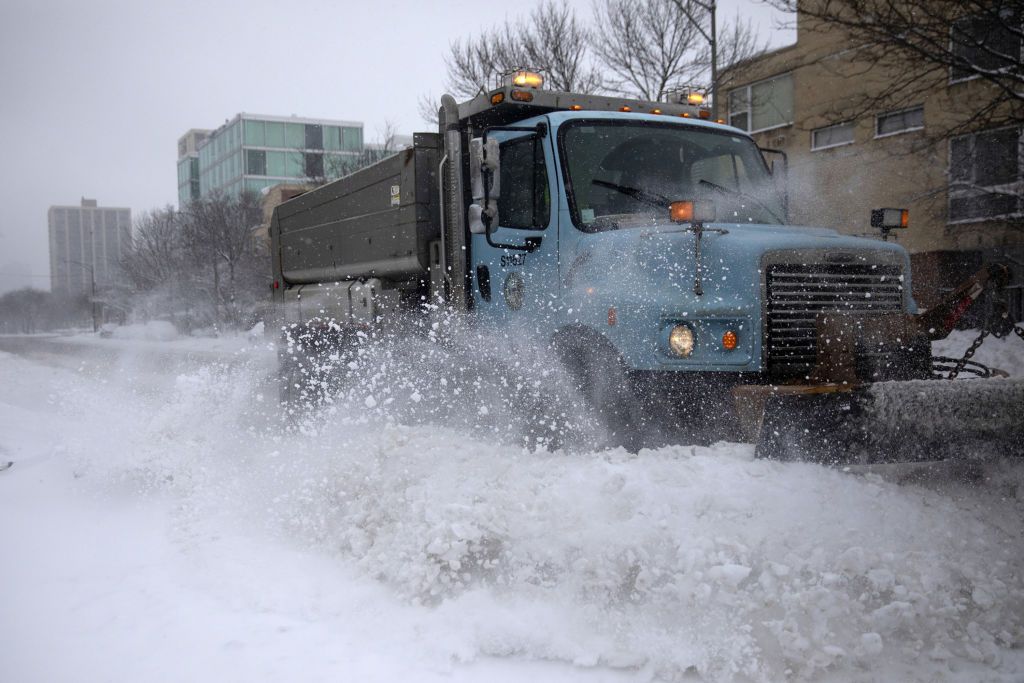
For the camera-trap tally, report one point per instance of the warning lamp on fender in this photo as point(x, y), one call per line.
point(692, 211)
point(887, 220)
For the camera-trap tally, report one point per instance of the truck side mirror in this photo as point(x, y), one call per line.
point(484, 175)
point(485, 168)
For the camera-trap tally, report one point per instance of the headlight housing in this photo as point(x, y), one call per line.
point(680, 340)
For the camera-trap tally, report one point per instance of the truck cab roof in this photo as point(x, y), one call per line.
point(510, 104)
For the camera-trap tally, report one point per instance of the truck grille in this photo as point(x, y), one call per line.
point(797, 293)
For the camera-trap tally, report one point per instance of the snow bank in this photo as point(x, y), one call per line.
point(673, 562)
point(154, 330)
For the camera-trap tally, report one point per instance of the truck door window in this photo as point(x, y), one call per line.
point(525, 200)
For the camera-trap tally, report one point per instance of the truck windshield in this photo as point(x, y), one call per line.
point(623, 174)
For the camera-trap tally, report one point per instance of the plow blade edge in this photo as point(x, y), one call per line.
point(889, 422)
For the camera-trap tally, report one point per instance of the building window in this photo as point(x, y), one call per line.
point(832, 136)
point(985, 179)
point(763, 105)
point(985, 42)
point(314, 165)
point(255, 162)
point(903, 121)
point(314, 136)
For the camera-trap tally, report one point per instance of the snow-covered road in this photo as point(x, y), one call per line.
point(161, 524)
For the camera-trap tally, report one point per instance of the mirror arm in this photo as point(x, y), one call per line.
point(540, 130)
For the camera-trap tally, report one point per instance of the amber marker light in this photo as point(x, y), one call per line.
point(681, 212)
point(685, 114)
point(904, 218)
point(575, 107)
point(527, 79)
point(613, 316)
point(729, 340)
point(704, 114)
point(522, 96)
point(655, 111)
point(625, 108)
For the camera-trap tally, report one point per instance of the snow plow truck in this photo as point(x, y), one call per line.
point(647, 246)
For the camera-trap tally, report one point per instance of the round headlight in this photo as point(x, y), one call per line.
point(680, 340)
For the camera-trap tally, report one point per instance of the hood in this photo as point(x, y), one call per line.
point(659, 261)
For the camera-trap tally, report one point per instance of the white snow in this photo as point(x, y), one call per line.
point(162, 524)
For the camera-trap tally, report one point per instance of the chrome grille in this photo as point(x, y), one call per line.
point(797, 293)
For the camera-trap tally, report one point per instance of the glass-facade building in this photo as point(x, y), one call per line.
point(188, 164)
point(252, 152)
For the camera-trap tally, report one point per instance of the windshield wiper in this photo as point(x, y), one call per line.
point(640, 195)
point(743, 195)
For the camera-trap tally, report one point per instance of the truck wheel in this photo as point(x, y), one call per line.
point(598, 375)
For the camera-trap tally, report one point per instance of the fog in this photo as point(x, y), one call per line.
point(95, 95)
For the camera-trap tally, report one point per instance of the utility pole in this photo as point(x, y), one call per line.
point(708, 6)
point(92, 290)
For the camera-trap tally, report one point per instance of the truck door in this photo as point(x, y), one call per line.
point(516, 287)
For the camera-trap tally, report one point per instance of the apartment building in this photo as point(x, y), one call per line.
point(85, 246)
point(964, 191)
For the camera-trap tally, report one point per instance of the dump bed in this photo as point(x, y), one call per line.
point(376, 222)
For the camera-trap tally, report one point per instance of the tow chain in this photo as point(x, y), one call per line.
point(969, 353)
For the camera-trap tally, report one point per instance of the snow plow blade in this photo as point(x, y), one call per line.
point(886, 422)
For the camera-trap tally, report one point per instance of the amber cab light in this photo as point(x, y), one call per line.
point(681, 212)
point(690, 211)
point(497, 98)
point(522, 96)
point(729, 340)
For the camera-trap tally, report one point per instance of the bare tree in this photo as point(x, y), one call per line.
point(155, 254)
point(220, 232)
point(556, 42)
point(551, 39)
point(649, 45)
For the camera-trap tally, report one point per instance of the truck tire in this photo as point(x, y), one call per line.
point(599, 376)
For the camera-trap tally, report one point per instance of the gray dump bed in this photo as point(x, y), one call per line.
point(376, 222)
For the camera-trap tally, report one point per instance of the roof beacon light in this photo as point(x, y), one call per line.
point(695, 98)
point(527, 79)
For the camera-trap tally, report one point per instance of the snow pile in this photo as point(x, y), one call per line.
point(404, 520)
point(154, 330)
point(677, 560)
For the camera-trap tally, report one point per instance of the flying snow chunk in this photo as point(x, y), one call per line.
point(370, 402)
point(872, 643)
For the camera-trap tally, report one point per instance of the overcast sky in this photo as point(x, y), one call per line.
point(94, 95)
